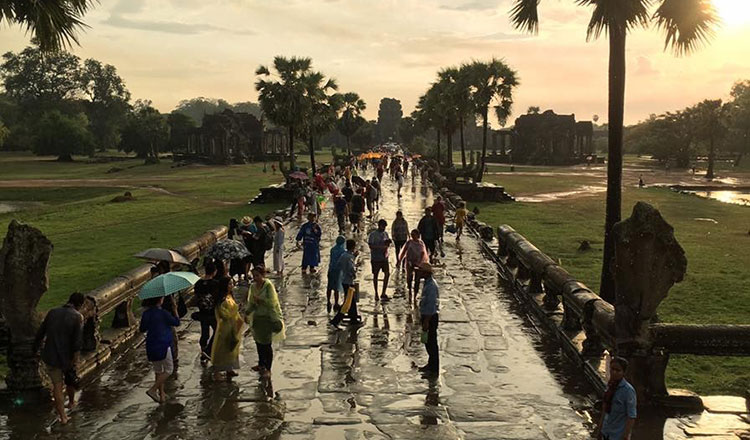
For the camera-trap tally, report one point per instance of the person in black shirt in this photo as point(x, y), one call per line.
point(205, 296)
point(358, 209)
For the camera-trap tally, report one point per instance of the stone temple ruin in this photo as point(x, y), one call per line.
point(544, 139)
point(232, 137)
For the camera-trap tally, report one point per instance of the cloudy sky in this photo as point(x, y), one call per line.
point(169, 50)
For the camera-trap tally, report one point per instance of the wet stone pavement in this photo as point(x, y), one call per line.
point(498, 379)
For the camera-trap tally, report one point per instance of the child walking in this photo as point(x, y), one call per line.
point(157, 323)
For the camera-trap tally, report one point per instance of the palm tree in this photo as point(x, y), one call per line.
point(351, 118)
point(53, 24)
point(282, 97)
point(687, 23)
point(454, 106)
point(492, 81)
point(321, 109)
point(428, 116)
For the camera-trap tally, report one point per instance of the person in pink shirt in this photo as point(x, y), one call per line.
point(414, 252)
point(438, 211)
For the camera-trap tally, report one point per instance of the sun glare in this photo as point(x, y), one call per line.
point(733, 12)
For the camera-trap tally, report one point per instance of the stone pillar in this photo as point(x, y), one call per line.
point(24, 258)
point(648, 261)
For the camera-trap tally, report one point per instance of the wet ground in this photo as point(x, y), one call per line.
point(499, 378)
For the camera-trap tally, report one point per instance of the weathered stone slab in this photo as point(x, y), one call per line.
point(726, 404)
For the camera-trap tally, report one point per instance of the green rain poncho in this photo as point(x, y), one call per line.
point(263, 313)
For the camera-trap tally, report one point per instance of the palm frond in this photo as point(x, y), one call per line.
point(525, 16)
point(687, 23)
point(615, 15)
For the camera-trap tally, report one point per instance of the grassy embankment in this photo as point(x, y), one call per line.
point(94, 239)
point(715, 287)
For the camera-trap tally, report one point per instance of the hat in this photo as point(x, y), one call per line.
point(425, 267)
point(246, 220)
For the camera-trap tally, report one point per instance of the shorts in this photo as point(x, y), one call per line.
point(354, 218)
point(55, 374)
point(377, 266)
point(333, 282)
point(165, 365)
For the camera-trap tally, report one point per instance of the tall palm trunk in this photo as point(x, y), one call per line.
point(438, 147)
point(291, 148)
point(449, 136)
point(463, 145)
point(711, 158)
point(480, 173)
point(312, 153)
point(614, 159)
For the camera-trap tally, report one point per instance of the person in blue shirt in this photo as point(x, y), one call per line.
point(157, 323)
point(429, 306)
point(309, 234)
point(347, 268)
point(619, 408)
point(334, 274)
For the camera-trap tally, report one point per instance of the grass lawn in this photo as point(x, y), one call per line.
point(715, 287)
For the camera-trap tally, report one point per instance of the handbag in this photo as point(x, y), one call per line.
point(181, 306)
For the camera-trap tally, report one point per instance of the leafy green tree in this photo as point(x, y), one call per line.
point(687, 23)
point(282, 94)
point(180, 127)
point(491, 82)
point(351, 118)
point(62, 135)
point(667, 137)
point(321, 108)
point(4, 132)
point(108, 105)
point(533, 110)
point(408, 129)
point(365, 136)
point(739, 117)
point(38, 80)
point(389, 117)
point(427, 115)
point(709, 117)
point(145, 132)
point(54, 24)
point(197, 108)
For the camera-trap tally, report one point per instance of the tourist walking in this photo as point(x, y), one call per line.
point(428, 229)
point(348, 270)
point(260, 240)
point(400, 234)
point(206, 290)
point(62, 334)
point(371, 193)
point(309, 234)
point(413, 254)
point(399, 181)
point(438, 211)
point(358, 210)
point(460, 219)
point(334, 274)
point(619, 408)
point(265, 319)
point(225, 352)
point(339, 209)
point(429, 306)
point(278, 246)
point(378, 193)
point(379, 242)
point(158, 324)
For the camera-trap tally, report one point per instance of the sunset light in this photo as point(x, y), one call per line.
point(733, 12)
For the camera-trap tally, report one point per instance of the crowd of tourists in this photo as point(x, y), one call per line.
point(236, 299)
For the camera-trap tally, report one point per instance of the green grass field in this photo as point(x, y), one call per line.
point(715, 287)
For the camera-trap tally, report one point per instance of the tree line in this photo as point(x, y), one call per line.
point(710, 127)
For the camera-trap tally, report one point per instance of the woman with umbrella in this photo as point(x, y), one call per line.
point(263, 316)
point(309, 234)
point(225, 351)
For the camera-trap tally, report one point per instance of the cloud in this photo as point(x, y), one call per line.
point(645, 67)
point(118, 19)
point(472, 5)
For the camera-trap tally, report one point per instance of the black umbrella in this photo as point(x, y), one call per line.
point(227, 250)
point(358, 180)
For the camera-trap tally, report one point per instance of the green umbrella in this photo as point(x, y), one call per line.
point(167, 284)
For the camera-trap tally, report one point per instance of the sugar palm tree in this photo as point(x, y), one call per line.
point(321, 108)
point(53, 24)
point(282, 96)
point(351, 118)
point(686, 23)
point(490, 82)
point(427, 115)
point(454, 106)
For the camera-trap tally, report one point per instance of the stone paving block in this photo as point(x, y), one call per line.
point(494, 343)
point(501, 431)
point(490, 328)
point(419, 432)
point(726, 404)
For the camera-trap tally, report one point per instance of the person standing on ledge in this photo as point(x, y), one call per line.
point(309, 234)
point(619, 408)
point(62, 334)
point(429, 306)
point(379, 242)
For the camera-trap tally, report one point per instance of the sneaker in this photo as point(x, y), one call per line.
point(384, 297)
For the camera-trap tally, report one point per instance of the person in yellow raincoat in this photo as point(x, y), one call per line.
point(263, 316)
point(225, 352)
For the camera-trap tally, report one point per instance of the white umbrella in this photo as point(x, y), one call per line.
point(160, 254)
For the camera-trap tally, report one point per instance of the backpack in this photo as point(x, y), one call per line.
point(267, 239)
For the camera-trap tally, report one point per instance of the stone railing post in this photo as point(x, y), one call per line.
point(648, 261)
point(24, 259)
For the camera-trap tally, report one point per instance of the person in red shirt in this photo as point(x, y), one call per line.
point(438, 211)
